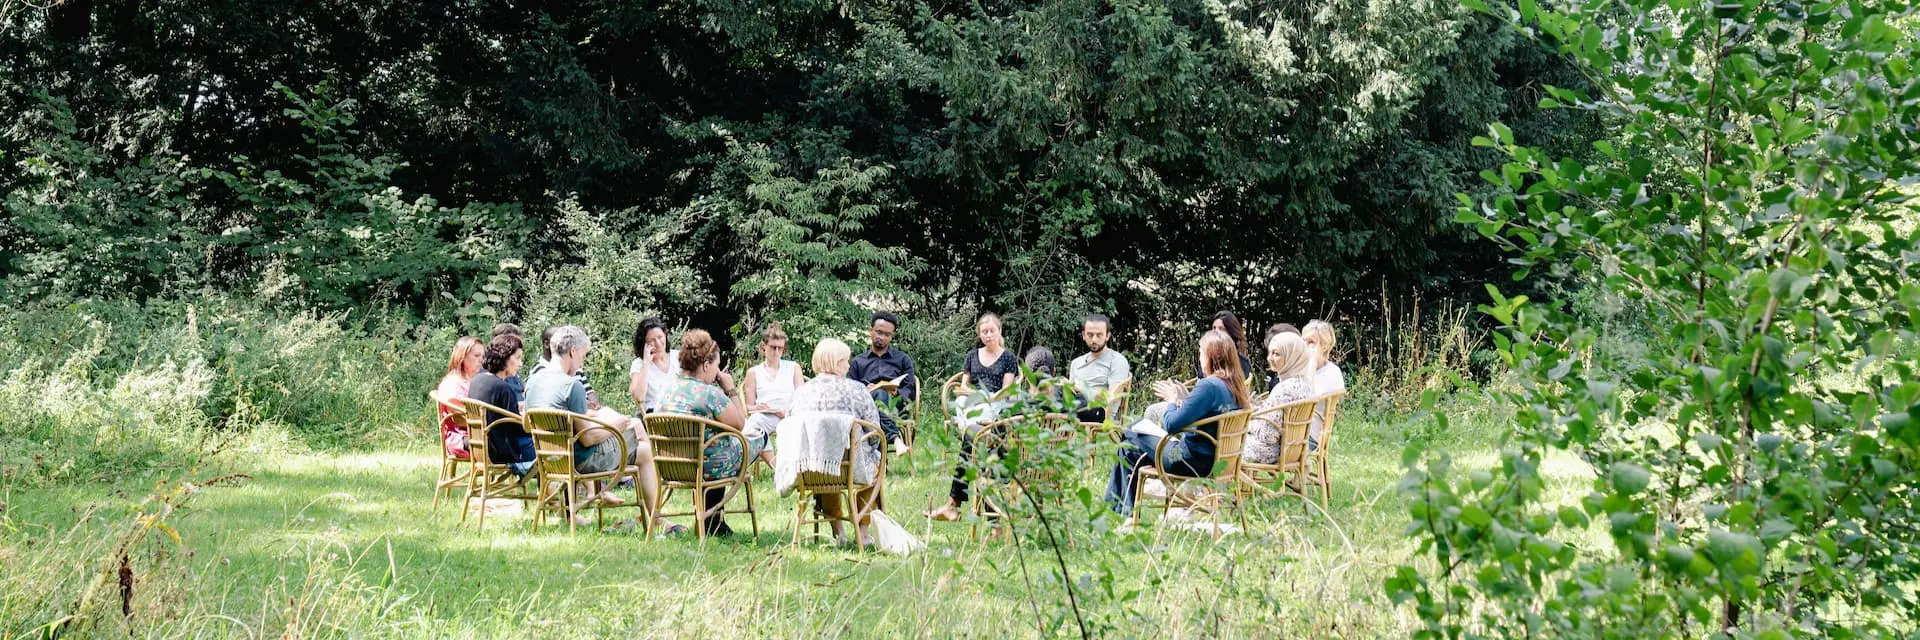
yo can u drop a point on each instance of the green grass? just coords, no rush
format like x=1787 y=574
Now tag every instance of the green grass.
x=315 y=543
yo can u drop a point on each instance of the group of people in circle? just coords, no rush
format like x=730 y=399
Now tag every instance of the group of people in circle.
x=876 y=386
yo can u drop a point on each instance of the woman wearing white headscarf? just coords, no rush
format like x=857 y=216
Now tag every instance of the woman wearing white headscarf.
x=1291 y=360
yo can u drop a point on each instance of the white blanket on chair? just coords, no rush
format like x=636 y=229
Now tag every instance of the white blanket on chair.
x=814 y=442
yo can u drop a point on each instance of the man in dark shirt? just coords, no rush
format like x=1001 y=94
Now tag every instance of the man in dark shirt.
x=889 y=376
x=508 y=443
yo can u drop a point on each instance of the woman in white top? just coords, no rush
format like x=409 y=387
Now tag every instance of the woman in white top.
x=653 y=366
x=1327 y=378
x=770 y=385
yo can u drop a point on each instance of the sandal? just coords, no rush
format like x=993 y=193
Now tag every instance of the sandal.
x=945 y=514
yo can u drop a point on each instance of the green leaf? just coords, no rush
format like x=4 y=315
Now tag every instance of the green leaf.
x=1629 y=478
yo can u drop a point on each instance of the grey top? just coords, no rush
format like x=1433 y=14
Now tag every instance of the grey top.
x=1091 y=374
x=549 y=388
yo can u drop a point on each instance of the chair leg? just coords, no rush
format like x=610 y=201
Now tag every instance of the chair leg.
x=480 y=521
x=439 y=483
x=700 y=513
x=753 y=515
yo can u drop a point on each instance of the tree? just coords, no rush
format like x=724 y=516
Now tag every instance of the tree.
x=1758 y=474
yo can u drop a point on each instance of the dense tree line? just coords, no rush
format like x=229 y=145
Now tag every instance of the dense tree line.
x=1154 y=159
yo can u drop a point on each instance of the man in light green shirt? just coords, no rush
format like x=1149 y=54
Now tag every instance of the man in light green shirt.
x=1098 y=372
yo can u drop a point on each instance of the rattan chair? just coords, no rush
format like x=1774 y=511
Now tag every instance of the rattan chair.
x=1293 y=420
x=489 y=480
x=996 y=438
x=1228 y=445
x=1327 y=409
x=679 y=457
x=452 y=476
x=843 y=485
x=555 y=433
x=1116 y=414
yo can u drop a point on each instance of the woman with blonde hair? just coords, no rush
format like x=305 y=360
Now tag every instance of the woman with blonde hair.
x=988 y=372
x=464 y=363
x=830 y=392
x=1222 y=388
x=1291 y=360
x=1327 y=378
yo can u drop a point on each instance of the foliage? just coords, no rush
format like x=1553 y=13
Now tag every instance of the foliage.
x=803 y=262
x=1051 y=158
x=1756 y=476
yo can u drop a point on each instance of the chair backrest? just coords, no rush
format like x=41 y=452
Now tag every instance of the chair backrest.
x=552 y=432
x=1117 y=401
x=555 y=432
x=860 y=434
x=1293 y=419
x=1326 y=410
x=477 y=416
x=1230 y=442
x=444 y=407
x=680 y=444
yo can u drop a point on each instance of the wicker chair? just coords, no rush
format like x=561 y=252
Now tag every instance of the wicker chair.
x=555 y=433
x=489 y=480
x=1327 y=409
x=1293 y=420
x=1116 y=414
x=679 y=456
x=842 y=485
x=452 y=476
x=995 y=438
x=1232 y=427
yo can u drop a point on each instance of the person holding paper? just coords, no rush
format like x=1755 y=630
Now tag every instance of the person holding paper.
x=888 y=374
x=769 y=387
x=1222 y=388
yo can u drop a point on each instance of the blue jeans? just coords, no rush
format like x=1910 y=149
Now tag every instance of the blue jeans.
x=1136 y=450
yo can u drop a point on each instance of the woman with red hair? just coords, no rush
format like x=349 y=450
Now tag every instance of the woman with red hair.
x=1222 y=388
x=462 y=365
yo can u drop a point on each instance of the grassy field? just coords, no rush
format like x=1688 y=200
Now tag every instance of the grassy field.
x=311 y=543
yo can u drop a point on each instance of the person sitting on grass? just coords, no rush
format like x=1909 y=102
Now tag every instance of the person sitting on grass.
x=462 y=365
x=830 y=392
x=1222 y=388
x=596 y=451
x=888 y=374
x=507 y=444
x=1327 y=378
x=986 y=372
x=1291 y=360
x=769 y=388
x=702 y=389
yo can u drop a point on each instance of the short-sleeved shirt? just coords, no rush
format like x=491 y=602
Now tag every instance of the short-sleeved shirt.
x=549 y=388
x=1092 y=373
x=658 y=378
x=989 y=377
x=692 y=397
x=507 y=442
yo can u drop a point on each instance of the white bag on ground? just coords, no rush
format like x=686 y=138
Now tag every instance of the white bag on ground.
x=890 y=537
